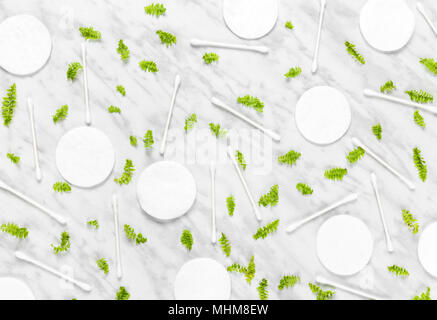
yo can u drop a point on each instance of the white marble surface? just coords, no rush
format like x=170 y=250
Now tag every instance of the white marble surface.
x=150 y=269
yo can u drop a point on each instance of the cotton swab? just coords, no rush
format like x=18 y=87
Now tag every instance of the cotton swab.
x=213 y=225
x=22 y=256
x=18 y=194
x=375 y=94
x=35 y=145
x=322 y=280
x=202 y=43
x=381 y=212
x=243 y=181
x=268 y=132
x=85 y=83
x=358 y=143
x=421 y=9
x=117 y=236
x=294 y=226
x=177 y=84
x=319 y=33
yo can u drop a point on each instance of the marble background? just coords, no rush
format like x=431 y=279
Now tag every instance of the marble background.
x=150 y=269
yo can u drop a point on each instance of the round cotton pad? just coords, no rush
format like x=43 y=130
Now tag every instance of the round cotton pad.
x=387 y=25
x=166 y=190
x=427 y=249
x=323 y=115
x=250 y=19
x=14 y=289
x=26 y=44
x=202 y=279
x=85 y=157
x=344 y=245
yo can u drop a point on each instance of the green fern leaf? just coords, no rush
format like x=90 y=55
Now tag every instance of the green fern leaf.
x=288 y=282
x=377 y=131
x=336 y=174
x=60 y=114
x=425 y=295
x=190 y=122
x=148 y=66
x=8 y=105
x=73 y=69
x=148 y=140
x=14 y=159
x=187 y=239
x=420 y=96
x=271 y=198
x=155 y=9
x=355 y=155
x=410 y=221
x=226 y=246
x=133 y=141
x=289 y=158
x=354 y=53
x=263 y=232
x=418 y=119
x=93 y=223
x=166 y=38
x=90 y=33
x=420 y=164
x=216 y=131
x=210 y=57
x=387 y=87
x=289 y=25
x=114 y=109
x=122 y=294
x=321 y=294
x=64 y=243
x=262 y=289
x=240 y=159
x=15 y=230
x=103 y=265
x=127 y=175
x=251 y=102
x=430 y=64
x=123 y=51
x=304 y=189
x=399 y=271
x=121 y=89
x=62 y=187
x=230 y=203
x=293 y=72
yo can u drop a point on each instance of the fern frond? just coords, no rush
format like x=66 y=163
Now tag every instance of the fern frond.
x=73 y=69
x=122 y=294
x=420 y=96
x=418 y=119
x=64 y=245
x=410 y=221
x=240 y=159
x=289 y=158
x=126 y=177
x=216 y=131
x=14 y=159
x=250 y=271
x=293 y=72
x=304 y=189
x=262 y=289
x=130 y=232
x=251 y=102
x=288 y=282
x=210 y=57
x=8 y=104
x=271 y=198
x=336 y=174
x=190 y=122
x=121 y=90
x=140 y=239
x=15 y=230
x=355 y=155
x=235 y=267
x=425 y=295
x=420 y=164
x=133 y=141
x=60 y=114
x=430 y=64
x=187 y=239
x=230 y=203
x=387 y=87
x=148 y=139
x=155 y=9
x=399 y=271
x=166 y=38
x=103 y=265
x=93 y=223
x=114 y=109
x=123 y=51
x=321 y=294
x=263 y=232
x=90 y=33
x=354 y=53
x=226 y=246
x=62 y=187
x=289 y=25
x=377 y=131
x=148 y=66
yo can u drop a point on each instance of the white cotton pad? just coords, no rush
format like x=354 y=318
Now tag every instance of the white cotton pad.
x=202 y=279
x=427 y=249
x=250 y=19
x=25 y=44
x=344 y=245
x=166 y=190
x=14 y=289
x=85 y=157
x=323 y=115
x=387 y=25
